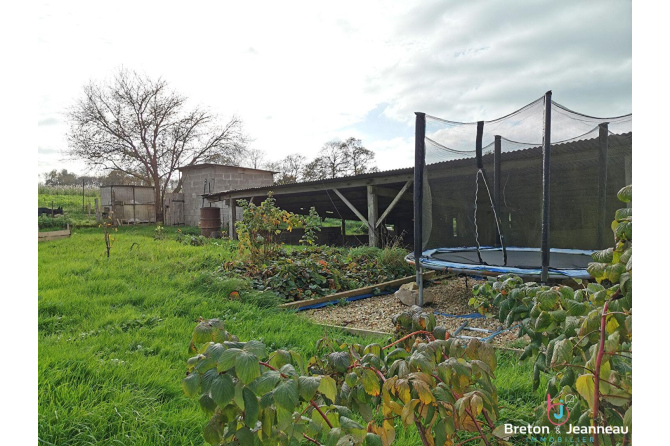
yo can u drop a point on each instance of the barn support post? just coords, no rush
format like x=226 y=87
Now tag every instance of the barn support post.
x=373 y=210
x=232 y=215
x=344 y=232
x=419 y=162
x=603 y=148
x=497 y=154
x=546 y=169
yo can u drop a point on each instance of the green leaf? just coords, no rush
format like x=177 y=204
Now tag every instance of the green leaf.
x=227 y=359
x=628 y=419
x=328 y=387
x=286 y=395
x=307 y=386
x=604 y=256
x=267 y=381
x=257 y=348
x=340 y=361
x=245 y=437
x=203 y=332
x=625 y=194
x=279 y=358
x=207 y=404
x=191 y=385
x=222 y=390
x=213 y=431
x=373 y=440
x=250 y=408
x=586 y=386
x=562 y=354
x=247 y=367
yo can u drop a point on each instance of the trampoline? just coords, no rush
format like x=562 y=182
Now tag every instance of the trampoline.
x=531 y=193
x=524 y=262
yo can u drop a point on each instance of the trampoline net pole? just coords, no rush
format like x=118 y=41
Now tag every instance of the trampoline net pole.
x=419 y=163
x=546 y=169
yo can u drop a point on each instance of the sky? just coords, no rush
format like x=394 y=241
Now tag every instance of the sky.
x=299 y=74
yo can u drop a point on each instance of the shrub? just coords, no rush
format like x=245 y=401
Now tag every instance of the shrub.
x=442 y=387
x=261 y=225
x=582 y=339
x=320 y=270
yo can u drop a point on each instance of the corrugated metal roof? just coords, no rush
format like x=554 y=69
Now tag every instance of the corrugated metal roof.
x=577 y=145
x=203 y=165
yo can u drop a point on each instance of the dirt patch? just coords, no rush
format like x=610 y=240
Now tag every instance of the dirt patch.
x=451 y=296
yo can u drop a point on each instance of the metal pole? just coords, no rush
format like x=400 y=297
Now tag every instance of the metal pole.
x=83 y=195
x=546 y=168
x=497 y=152
x=419 y=161
x=601 y=229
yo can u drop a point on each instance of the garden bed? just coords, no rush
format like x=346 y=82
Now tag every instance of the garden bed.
x=375 y=313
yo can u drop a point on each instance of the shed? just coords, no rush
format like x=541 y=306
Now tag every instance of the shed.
x=128 y=204
x=201 y=179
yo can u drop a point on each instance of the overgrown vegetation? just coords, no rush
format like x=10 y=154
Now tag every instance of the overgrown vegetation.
x=581 y=339
x=311 y=272
x=320 y=270
x=443 y=388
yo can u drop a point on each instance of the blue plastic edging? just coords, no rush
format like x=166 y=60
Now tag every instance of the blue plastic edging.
x=349 y=299
x=461 y=316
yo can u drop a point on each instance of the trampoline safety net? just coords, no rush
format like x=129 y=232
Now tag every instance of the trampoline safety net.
x=493 y=195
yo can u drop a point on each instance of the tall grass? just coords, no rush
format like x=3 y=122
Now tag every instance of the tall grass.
x=114 y=335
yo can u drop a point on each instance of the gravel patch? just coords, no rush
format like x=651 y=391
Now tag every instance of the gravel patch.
x=451 y=296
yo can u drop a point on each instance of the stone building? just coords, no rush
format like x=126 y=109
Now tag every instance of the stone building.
x=208 y=178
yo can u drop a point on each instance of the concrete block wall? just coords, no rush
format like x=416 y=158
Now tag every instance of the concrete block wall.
x=220 y=178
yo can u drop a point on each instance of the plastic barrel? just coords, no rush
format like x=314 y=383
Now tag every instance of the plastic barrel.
x=210 y=222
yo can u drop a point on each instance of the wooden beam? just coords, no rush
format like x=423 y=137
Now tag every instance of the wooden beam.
x=373 y=212
x=391 y=193
x=356 y=292
x=352 y=207
x=232 y=215
x=339 y=183
x=393 y=203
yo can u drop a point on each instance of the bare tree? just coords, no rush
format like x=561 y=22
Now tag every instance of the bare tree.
x=254 y=158
x=289 y=169
x=334 y=159
x=359 y=157
x=138 y=126
x=338 y=159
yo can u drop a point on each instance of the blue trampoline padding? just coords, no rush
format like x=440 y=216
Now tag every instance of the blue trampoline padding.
x=349 y=299
x=521 y=261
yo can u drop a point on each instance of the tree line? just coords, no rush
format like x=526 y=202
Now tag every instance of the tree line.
x=139 y=131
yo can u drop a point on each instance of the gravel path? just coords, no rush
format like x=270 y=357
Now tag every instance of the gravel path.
x=450 y=296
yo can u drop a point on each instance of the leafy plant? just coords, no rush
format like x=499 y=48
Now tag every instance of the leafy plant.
x=442 y=387
x=159 y=233
x=261 y=225
x=312 y=225
x=582 y=339
x=320 y=270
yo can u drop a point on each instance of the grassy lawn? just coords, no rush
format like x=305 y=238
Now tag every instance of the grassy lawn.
x=114 y=335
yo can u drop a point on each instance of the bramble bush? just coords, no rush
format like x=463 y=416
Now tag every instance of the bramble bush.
x=317 y=271
x=255 y=397
x=581 y=339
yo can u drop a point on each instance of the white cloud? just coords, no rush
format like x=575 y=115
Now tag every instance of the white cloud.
x=300 y=74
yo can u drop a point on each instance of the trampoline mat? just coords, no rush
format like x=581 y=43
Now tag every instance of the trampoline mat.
x=517 y=258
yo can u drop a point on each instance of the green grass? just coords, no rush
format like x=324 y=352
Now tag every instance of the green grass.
x=71 y=201
x=114 y=333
